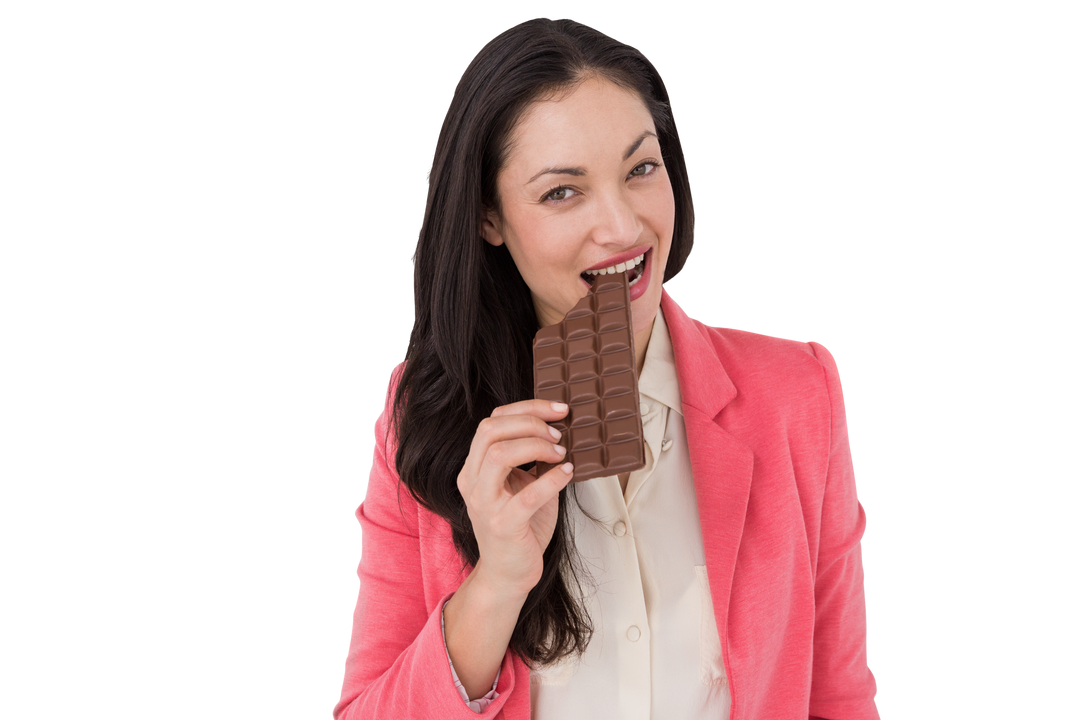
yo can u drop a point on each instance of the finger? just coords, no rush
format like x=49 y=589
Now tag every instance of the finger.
x=520 y=419
x=504 y=456
x=544 y=409
x=536 y=494
x=500 y=429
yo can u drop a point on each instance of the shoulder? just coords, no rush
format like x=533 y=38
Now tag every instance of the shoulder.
x=389 y=390
x=775 y=379
x=386 y=495
x=754 y=358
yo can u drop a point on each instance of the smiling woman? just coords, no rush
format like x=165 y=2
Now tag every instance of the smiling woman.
x=721 y=580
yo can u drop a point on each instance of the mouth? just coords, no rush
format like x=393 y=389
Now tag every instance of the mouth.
x=633 y=274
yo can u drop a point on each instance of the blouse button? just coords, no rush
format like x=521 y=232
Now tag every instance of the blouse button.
x=644 y=408
x=633 y=633
x=620 y=528
x=665 y=446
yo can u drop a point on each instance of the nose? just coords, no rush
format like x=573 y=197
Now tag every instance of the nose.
x=616 y=221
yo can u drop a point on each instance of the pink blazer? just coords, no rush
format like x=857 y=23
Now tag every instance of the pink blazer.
x=781 y=525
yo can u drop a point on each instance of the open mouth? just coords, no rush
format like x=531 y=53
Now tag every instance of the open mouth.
x=632 y=275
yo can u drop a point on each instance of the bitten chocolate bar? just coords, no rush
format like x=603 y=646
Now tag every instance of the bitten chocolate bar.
x=587 y=361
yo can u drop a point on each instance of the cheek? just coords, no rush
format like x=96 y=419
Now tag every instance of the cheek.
x=662 y=218
x=549 y=242
x=524 y=242
x=661 y=213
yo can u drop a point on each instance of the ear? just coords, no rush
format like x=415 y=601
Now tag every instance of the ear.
x=490 y=228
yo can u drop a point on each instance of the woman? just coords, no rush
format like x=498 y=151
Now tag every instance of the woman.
x=723 y=579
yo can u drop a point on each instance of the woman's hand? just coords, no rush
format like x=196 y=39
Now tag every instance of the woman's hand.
x=513 y=513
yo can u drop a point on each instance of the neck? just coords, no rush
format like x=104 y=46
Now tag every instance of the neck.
x=641 y=345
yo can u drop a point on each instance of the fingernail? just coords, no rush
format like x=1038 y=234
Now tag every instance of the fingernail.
x=554 y=433
x=558 y=407
x=567 y=468
x=560 y=449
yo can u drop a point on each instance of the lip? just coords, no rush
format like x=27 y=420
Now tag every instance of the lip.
x=642 y=284
x=621 y=257
x=639 y=288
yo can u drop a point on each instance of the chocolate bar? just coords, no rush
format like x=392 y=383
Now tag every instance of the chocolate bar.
x=587 y=361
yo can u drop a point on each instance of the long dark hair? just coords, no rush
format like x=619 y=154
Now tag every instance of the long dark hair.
x=471 y=344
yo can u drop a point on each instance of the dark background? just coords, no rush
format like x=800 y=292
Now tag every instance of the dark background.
x=800 y=138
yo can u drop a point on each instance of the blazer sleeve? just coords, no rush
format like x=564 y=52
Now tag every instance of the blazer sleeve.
x=397 y=665
x=843 y=687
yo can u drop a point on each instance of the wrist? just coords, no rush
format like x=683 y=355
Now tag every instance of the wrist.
x=493 y=592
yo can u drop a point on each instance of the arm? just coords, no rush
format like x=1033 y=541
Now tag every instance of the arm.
x=843 y=687
x=397 y=665
x=477 y=625
x=481 y=703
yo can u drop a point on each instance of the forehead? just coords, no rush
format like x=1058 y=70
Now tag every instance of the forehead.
x=595 y=120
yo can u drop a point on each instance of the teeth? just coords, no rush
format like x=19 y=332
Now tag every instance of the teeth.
x=621 y=267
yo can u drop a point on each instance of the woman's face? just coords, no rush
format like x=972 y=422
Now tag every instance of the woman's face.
x=583 y=188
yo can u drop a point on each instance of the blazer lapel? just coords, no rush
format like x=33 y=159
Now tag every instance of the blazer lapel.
x=723 y=466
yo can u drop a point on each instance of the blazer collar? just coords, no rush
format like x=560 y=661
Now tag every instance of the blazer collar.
x=723 y=468
x=703 y=382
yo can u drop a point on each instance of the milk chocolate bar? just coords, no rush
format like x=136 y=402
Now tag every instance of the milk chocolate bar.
x=587 y=361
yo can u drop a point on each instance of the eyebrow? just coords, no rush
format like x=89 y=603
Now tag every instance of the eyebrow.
x=580 y=171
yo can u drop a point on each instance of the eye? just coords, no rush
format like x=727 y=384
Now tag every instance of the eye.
x=555 y=191
x=643 y=165
x=550 y=200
